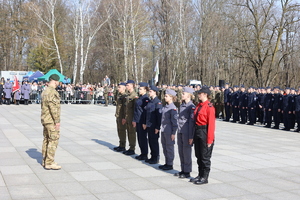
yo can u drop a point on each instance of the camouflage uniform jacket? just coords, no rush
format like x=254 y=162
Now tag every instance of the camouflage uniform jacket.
x=105 y=91
x=50 y=106
x=129 y=105
x=120 y=105
x=218 y=97
x=213 y=96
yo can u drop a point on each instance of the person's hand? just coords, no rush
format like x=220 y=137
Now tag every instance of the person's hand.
x=156 y=131
x=190 y=141
x=172 y=137
x=57 y=126
x=208 y=145
x=134 y=124
x=123 y=121
x=144 y=126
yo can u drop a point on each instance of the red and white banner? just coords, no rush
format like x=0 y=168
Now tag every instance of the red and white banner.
x=16 y=85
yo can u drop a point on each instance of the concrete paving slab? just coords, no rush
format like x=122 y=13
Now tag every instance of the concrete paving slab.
x=248 y=162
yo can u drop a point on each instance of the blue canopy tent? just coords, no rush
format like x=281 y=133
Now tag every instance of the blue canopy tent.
x=27 y=75
x=35 y=76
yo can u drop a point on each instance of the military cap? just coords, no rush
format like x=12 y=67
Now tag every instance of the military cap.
x=242 y=86
x=143 y=84
x=204 y=90
x=188 y=90
x=8 y=79
x=292 y=88
x=124 y=84
x=171 y=92
x=130 y=81
x=154 y=88
x=180 y=85
x=287 y=88
x=235 y=86
x=226 y=83
x=251 y=87
x=268 y=88
x=54 y=77
x=276 y=87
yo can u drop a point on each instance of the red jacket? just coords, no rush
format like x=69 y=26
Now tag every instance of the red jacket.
x=206 y=116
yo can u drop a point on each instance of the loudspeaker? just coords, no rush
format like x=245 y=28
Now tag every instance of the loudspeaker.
x=221 y=83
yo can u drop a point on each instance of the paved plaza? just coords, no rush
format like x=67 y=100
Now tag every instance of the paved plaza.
x=248 y=162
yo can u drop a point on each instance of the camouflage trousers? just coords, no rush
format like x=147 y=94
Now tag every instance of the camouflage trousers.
x=50 y=142
x=131 y=134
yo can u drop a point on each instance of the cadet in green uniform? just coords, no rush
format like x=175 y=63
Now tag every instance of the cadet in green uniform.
x=50 y=118
x=129 y=111
x=120 y=114
x=162 y=94
x=105 y=94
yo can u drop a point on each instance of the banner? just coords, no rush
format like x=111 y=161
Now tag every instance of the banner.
x=156 y=70
x=16 y=85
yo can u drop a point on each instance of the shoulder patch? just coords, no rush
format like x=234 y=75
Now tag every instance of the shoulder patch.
x=175 y=109
x=210 y=104
x=146 y=100
x=193 y=108
x=159 y=102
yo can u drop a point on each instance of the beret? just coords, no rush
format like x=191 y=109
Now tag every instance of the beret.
x=54 y=77
x=188 y=90
x=130 y=81
x=171 y=92
x=154 y=88
x=143 y=84
x=122 y=84
x=204 y=90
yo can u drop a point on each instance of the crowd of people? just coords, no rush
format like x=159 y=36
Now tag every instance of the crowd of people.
x=30 y=92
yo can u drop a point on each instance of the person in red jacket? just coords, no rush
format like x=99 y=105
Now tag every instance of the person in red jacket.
x=204 y=136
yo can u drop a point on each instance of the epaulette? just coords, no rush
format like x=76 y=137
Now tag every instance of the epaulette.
x=210 y=105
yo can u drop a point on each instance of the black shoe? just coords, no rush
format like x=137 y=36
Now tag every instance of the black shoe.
x=121 y=149
x=162 y=166
x=116 y=148
x=297 y=130
x=250 y=124
x=195 y=179
x=141 y=157
x=201 y=181
x=153 y=161
x=185 y=175
x=233 y=121
x=275 y=127
x=167 y=167
x=241 y=122
x=266 y=126
x=179 y=173
x=129 y=152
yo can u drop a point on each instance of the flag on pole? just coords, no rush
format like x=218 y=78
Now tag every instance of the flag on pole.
x=156 y=70
x=16 y=85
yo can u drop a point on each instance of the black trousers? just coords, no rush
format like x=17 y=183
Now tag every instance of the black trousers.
x=276 y=117
x=236 y=116
x=142 y=138
x=268 y=117
x=298 y=119
x=202 y=151
x=153 y=142
x=227 y=112
x=252 y=115
x=243 y=115
x=287 y=120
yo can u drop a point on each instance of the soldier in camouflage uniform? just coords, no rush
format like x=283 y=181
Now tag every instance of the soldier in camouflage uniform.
x=179 y=96
x=127 y=121
x=120 y=114
x=105 y=94
x=161 y=95
x=50 y=118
